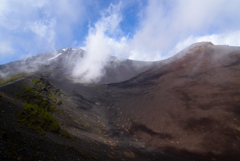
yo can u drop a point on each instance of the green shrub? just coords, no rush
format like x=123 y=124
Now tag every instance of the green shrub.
x=8 y=80
x=94 y=158
x=65 y=133
x=38 y=119
x=36 y=81
x=39 y=148
x=83 y=155
x=59 y=102
x=39 y=104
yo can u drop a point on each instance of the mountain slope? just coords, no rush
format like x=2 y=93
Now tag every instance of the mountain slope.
x=187 y=105
x=65 y=60
x=184 y=108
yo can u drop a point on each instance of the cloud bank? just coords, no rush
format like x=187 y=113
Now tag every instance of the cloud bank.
x=167 y=25
x=99 y=47
x=165 y=28
x=30 y=27
x=156 y=31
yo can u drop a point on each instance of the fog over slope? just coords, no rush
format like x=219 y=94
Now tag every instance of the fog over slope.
x=73 y=63
x=188 y=104
x=183 y=108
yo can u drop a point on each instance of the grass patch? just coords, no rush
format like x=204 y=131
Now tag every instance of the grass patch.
x=8 y=80
x=31 y=96
x=94 y=158
x=82 y=154
x=65 y=133
x=40 y=148
x=38 y=119
x=35 y=81
x=38 y=107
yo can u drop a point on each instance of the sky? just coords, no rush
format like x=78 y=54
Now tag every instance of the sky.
x=146 y=30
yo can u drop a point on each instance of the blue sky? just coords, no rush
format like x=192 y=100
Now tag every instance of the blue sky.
x=135 y=29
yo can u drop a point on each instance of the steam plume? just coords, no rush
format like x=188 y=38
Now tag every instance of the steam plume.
x=99 y=46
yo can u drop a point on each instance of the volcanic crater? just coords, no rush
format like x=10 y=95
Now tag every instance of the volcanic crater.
x=186 y=107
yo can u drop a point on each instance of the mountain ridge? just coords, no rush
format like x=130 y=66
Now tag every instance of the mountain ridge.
x=65 y=60
x=184 y=108
x=183 y=101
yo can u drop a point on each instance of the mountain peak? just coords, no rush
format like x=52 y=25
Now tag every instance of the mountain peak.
x=186 y=107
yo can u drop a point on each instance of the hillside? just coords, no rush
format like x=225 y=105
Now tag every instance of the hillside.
x=182 y=108
x=63 y=61
x=189 y=105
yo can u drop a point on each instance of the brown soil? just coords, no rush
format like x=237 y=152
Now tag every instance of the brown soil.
x=187 y=108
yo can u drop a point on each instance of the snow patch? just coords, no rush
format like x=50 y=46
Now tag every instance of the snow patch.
x=83 y=48
x=55 y=56
x=64 y=49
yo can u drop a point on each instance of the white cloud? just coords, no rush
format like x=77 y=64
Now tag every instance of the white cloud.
x=6 y=48
x=35 y=26
x=227 y=38
x=39 y=28
x=166 y=27
x=165 y=23
x=45 y=32
x=99 y=46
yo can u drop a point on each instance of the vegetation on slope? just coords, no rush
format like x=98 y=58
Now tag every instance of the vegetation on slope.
x=37 y=113
x=39 y=105
x=8 y=80
x=38 y=118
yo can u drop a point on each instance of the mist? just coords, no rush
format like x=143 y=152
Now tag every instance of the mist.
x=99 y=47
x=29 y=27
x=162 y=29
x=27 y=65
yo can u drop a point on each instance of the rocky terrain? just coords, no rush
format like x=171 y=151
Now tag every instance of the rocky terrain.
x=182 y=108
x=63 y=61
